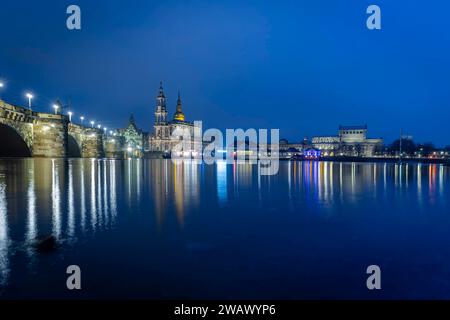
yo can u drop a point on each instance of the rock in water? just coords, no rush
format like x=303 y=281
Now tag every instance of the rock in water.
x=46 y=244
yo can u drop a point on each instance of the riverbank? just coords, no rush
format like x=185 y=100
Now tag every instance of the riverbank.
x=378 y=159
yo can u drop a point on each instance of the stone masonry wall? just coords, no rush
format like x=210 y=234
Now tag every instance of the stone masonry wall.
x=49 y=137
x=92 y=144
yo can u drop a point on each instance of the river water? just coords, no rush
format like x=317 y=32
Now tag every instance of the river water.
x=158 y=230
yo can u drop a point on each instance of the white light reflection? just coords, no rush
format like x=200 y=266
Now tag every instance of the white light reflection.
x=99 y=195
x=221 y=167
x=56 y=204
x=71 y=209
x=113 y=196
x=93 y=203
x=31 y=232
x=4 y=238
x=105 y=196
x=82 y=200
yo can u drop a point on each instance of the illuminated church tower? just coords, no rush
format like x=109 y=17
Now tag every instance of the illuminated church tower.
x=161 y=128
x=163 y=139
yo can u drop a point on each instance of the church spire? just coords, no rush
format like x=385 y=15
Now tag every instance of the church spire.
x=179 y=102
x=131 y=121
x=179 y=115
x=161 y=91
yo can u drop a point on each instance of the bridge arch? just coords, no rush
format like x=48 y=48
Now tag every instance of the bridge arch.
x=13 y=144
x=73 y=147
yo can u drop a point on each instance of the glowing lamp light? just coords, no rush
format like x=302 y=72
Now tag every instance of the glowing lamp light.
x=29 y=96
x=92 y=123
x=56 y=107
x=70 y=113
x=129 y=149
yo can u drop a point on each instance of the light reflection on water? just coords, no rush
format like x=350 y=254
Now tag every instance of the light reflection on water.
x=4 y=240
x=79 y=200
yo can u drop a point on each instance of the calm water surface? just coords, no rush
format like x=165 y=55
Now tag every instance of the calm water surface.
x=153 y=229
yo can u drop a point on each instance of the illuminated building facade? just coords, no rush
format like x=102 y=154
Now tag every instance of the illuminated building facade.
x=350 y=141
x=134 y=141
x=163 y=139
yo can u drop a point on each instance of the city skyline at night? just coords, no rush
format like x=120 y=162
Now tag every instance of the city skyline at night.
x=302 y=68
x=223 y=159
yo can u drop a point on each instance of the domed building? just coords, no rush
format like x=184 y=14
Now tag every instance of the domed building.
x=179 y=115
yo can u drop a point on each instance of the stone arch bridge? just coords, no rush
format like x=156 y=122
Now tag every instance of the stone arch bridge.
x=28 y=133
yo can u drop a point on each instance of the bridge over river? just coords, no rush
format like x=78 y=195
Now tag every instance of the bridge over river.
x=24 y=132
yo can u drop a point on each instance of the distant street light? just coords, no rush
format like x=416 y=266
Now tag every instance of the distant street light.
x=82 y=119
x=1 y=85
x=56 y=107
x=70 y=113
x=92 y=124
x=99 y=126
x=29 y=96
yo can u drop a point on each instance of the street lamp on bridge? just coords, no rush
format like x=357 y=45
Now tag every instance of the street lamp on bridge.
x=92 y=124
x=82 y=119
x=70 y=113
x=56 y=107
x=29 y=96
x=1 y=85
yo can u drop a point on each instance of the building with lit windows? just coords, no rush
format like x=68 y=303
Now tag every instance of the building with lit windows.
x=168 y=133
x=134 y=139
x=350 y=141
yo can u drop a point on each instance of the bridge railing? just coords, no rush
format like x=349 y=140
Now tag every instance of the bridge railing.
x=29 y=113
x=11 y=107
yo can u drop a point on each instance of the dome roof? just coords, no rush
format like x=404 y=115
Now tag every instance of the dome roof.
x=179 y=115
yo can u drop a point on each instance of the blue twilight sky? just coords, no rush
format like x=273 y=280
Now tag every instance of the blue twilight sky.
x=302 y=66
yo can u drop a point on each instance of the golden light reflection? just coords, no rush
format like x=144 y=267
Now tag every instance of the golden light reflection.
x=178 y=181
